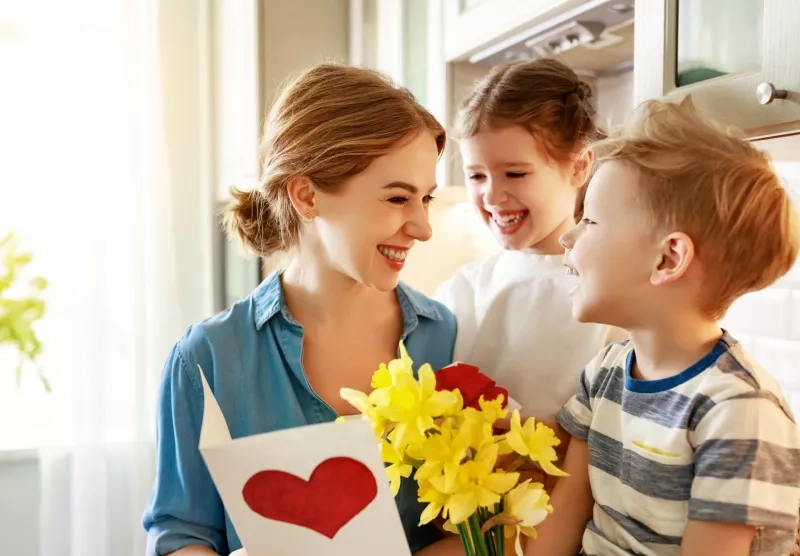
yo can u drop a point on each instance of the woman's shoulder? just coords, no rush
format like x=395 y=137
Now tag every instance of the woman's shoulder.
x=212 y=343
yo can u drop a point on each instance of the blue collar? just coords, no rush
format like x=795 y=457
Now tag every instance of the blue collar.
x=268 y=301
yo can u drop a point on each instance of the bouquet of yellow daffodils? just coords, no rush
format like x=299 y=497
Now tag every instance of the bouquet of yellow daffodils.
x=452 y=452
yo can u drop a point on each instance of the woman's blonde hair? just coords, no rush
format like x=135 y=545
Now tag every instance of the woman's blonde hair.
x=327 y=125
x=543 y=96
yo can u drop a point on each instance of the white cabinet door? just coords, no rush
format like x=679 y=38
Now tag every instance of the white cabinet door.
x=738 y=59
x=473 y=25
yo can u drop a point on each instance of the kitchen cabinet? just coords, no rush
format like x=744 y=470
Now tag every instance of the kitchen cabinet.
x=736 y=58
x=472 y=26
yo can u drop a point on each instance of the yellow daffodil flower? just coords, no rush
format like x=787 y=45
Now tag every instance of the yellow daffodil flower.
x=436 y=501
x=360 y=401
x=493 y=410
x=476 y=485
x=413 y=407
x=398 y=468
x=529 y=505
x=536 y=441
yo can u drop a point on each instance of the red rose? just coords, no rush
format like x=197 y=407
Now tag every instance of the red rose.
x=471 y=383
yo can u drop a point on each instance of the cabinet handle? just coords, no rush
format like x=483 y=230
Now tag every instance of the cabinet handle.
x=766 y=93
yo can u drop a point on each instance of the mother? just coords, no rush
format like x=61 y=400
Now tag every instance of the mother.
x=349 y=169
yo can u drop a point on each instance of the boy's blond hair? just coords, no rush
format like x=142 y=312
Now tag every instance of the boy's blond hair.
x=715 y=186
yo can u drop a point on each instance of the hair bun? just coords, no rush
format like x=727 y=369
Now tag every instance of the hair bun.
x=583 y=90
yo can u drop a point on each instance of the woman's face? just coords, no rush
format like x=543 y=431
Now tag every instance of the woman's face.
x=367 y=227
x=525 y=198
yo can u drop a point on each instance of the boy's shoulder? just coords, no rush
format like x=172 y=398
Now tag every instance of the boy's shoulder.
x=612 y=359
x=736 y=376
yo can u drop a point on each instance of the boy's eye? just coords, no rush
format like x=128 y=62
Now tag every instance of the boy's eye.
x=516 y=175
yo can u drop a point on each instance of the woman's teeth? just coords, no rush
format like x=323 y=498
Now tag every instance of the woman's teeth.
x=505 y=220
x=572 y=271
x=393 y=254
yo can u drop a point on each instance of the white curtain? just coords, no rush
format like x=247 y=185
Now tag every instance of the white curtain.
x=105 y=176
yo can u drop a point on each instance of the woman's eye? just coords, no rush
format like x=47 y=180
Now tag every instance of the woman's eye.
x=516 y=175
x=427 y=199
x=587 y=221
x=398 y=200
x=475 y=177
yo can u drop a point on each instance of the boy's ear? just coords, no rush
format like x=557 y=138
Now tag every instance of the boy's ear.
x=581 y=168
x=674 y=258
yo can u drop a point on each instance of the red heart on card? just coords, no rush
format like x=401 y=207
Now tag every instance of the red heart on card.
x=337 y=491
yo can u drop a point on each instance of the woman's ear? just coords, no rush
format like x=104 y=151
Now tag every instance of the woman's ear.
x=581 y=169
x=301 y=194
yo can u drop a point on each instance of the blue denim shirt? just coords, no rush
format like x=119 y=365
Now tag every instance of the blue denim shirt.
x=251 y=356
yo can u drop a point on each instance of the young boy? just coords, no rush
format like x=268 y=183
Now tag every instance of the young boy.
x=681 y=443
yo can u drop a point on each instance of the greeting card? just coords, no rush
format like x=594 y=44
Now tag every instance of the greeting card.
x=318 y=489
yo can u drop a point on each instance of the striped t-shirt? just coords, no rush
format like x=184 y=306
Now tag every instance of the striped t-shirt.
x=716 y=442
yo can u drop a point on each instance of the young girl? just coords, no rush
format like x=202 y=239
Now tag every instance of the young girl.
x=521 y=133
x=349 y=168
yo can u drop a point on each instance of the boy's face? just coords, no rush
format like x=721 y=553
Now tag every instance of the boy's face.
x=613 y=250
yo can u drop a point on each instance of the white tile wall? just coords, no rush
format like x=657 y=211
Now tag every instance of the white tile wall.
x=768 y=322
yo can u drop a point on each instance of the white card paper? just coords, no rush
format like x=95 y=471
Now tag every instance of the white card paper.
x=260 y=459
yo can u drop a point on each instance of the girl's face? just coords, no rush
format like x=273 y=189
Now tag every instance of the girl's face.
x=367 y=227
x=526 y=199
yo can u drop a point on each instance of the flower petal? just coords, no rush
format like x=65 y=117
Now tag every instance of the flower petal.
x=462 y=505
x=430 y=513
x=501 y=482
x=357 y=399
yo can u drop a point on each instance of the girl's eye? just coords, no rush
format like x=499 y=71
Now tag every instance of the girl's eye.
x=516 y=175
x=475 y=177
x=398 y=200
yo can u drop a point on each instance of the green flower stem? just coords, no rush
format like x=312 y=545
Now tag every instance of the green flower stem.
x=465 y=539
x=499 y=531
x=483 y=517
x=481 y=549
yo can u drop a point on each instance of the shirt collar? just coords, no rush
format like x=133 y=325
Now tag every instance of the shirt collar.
x=268 y=301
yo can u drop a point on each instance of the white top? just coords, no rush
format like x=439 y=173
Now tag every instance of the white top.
x=515 y=323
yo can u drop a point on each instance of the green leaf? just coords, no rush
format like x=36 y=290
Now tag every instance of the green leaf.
x=38 y=283
x=19 y=314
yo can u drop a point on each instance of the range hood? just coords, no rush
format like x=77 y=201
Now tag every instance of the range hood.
x=595 y=37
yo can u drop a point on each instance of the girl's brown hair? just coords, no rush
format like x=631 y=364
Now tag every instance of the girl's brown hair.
x=327 y=125
x=544 y=96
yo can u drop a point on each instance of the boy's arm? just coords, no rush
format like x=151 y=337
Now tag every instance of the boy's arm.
x=709 y=538
x=562 y=532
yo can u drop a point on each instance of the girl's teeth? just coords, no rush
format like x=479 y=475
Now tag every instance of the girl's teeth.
x=394 y=254
x=507 y=220
x=572 y=271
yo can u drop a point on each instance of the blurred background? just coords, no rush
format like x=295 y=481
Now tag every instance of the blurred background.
x=123 y=123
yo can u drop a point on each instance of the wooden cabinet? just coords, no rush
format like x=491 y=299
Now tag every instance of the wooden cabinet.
x=736 y=58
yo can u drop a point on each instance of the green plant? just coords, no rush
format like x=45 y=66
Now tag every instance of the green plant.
x=21 y=306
